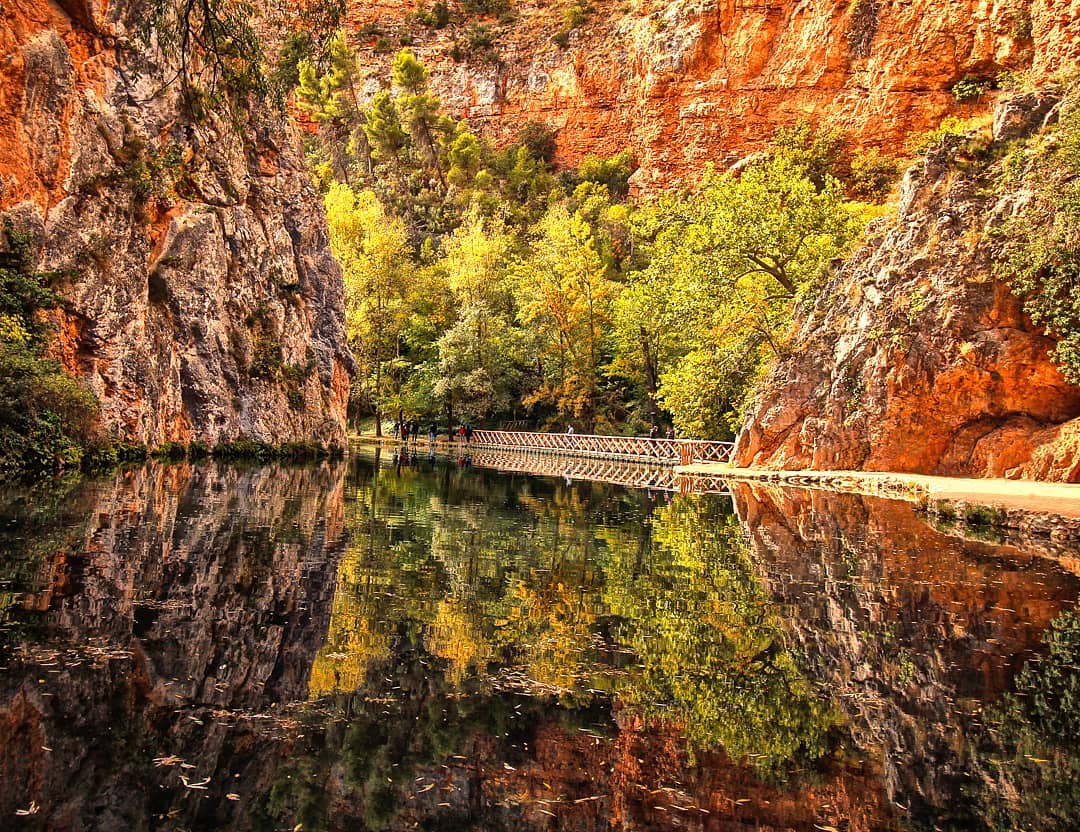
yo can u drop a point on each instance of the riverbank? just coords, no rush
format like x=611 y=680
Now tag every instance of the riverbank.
x=1022 y=495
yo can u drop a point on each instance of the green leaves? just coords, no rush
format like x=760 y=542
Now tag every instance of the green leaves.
x=1042 y=263
x=727 y=264
x=372 y=250
x=47 y=418
x=211 y=46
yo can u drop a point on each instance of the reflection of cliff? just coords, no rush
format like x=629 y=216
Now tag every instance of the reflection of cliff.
x=907 y=627
x=198 y=591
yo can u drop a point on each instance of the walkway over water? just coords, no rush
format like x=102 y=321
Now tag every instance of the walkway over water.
x=613 y=471
x=626 y=448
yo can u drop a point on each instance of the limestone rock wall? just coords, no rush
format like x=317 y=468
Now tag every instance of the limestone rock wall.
x=914 y=357
x=203 y=302
x=692 y=82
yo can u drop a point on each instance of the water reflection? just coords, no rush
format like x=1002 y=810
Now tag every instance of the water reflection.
x=408 y=642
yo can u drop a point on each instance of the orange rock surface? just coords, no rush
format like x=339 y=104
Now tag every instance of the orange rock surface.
x=916 y=357
x=687 y=83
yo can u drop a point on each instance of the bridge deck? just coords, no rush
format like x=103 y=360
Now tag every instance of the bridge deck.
x=640 y=449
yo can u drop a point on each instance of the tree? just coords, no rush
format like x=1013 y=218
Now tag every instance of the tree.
x=564 y=292
x=372 y=248
x=420 y=109
x=332 y=100
x=478 y=355
x=210 y=47
x=733 y=259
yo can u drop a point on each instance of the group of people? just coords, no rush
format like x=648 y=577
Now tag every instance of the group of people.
x=407 y=430
x=654 y=432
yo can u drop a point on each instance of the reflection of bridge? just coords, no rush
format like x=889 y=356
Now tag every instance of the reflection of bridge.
x=617 y=472
x=626 y=448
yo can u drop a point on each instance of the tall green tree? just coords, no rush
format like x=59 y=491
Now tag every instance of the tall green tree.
x=479 y=355
x=564 y=292
x=372 y=248
x=734 y=257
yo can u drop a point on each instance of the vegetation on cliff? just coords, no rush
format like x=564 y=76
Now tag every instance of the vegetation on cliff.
x=485 y=285
x=47 y=418
x=1043 y=262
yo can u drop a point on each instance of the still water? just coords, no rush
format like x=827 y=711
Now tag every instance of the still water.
x=369 y=645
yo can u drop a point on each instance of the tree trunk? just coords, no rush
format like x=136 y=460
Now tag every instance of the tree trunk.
x=651 y=384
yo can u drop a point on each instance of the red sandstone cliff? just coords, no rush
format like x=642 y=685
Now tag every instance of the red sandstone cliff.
x=687 y=83
x=915 y=357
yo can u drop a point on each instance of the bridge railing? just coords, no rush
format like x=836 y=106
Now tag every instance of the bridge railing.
x=635 y=448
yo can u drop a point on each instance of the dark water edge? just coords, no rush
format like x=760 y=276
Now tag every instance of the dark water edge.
x=370 y=645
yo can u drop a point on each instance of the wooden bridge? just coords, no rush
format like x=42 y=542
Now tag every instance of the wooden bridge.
x=614 y=471
x=640 y=449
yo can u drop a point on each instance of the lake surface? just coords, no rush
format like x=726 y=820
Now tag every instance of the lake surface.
x=442 y=646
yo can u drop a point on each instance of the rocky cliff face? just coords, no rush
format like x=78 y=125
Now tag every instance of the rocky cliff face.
x=691 y=82
x=914 y=358
x=202 y=299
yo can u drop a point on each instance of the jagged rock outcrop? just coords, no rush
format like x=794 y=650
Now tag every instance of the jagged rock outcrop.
x=915 y=357
x=202 y=300
x=691 y=82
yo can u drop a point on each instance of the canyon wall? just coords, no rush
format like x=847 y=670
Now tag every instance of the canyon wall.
x=201 y=298
x=692 y=82
x=914 y=357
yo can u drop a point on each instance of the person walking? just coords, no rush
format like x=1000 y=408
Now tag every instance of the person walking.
x=670 y=433
x=432 y=434
x=468 y=434
x=415 y=430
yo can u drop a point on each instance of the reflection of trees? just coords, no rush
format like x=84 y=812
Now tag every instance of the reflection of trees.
x=1027 y=760
x=709 y=645
x=40 y=525
x=562 y=582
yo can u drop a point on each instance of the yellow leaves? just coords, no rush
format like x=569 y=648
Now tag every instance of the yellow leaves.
x=12 y=331
x=454 y=637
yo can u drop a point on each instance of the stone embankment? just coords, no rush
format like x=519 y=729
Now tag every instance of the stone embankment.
x=1046 y=511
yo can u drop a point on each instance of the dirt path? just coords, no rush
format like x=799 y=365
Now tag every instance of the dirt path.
x=1049 y=497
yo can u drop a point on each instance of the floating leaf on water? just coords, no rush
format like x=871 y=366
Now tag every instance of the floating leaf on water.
x=32 y=809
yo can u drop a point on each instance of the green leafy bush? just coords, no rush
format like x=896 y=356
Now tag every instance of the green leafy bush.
x=171 y=452
x=485 y=7
x=1022 y=25
x=872 y=175
x=970 y=88
x=1042 y=264
x=47 y=418
x=437 y=17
